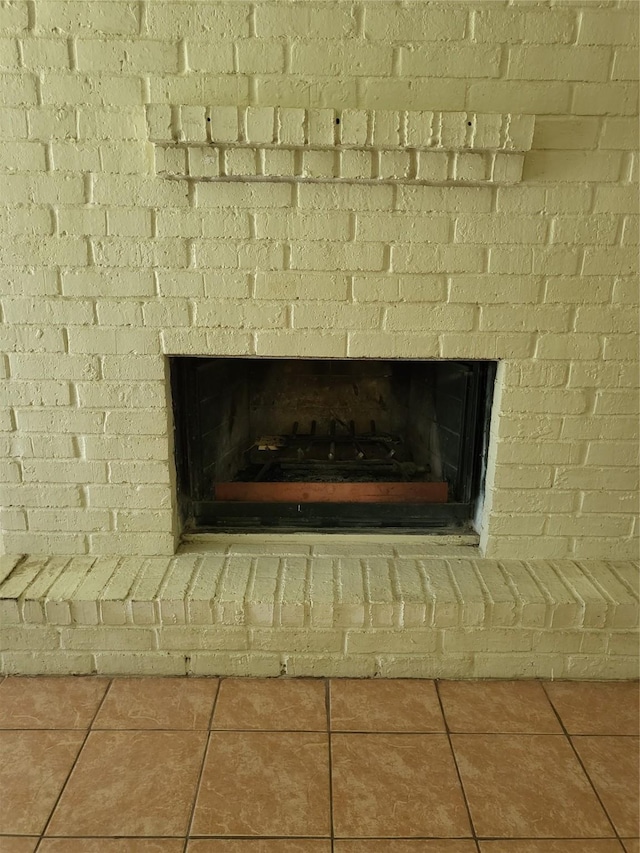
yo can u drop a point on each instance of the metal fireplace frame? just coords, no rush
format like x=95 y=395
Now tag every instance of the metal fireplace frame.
x=200 y=514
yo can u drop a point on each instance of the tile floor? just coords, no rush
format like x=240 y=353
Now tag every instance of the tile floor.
x=92 y=765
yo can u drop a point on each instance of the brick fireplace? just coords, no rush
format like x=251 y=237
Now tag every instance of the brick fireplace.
x=344 y=183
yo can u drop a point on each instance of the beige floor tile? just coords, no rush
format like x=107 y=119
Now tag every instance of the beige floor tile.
x=394 y=705
x=112 y=845
x=33 y=768
x=17 y=844
x=131 y=784
x=387 y=785
x=498 y=706
x=259 y=845
x=612 y=765
x=631 y=845
x=264 y=784
x=50 y=703
x=158 y=703
x=581 y=845
x=597 y=708
x=389 y=845
x=271 y=704
x=527 y=786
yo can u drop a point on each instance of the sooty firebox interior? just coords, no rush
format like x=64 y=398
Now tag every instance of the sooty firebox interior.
x=331 y=445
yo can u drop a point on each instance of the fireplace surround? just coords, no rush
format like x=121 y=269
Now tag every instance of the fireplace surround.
x=355 y=182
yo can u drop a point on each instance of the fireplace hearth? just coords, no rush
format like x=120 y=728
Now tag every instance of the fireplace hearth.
x=330 y=445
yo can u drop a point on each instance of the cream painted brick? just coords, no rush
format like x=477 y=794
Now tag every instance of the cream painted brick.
x=234 y=664
x=29 y=638
x=494 y=289
x=278 y=163
x=18 y=89
x=530 y=97
x=598 y=319
x=291 y=126
x=600 y=27
x=558 y=62
x=383 y=93
x=408 y=258
x=625 y=291
x=401 y=227
x=344 y=196
x=321 y=127
x=434 y=23
x=96 y=122
x=605 y=98
x=354 y=127
x=259 y=124
x=318 y=164
x=575 y=166
x=127 y=56
x=159 y=121
x=439 y=60
x=294 y=286
x=171 y=19
x=198 y=89
x=605 y=478
x=204 y=161
x=119 y=190
x=257 y=56
x=599 y=229
x=499 y=229
x=470 y=167
x=14 y=16
x=107 y=638
x=392 y=642
x=337 y=256
x=139 y=663
x=351 y=59
x=555 y=26
x=319 y=316
x=444 y=199
x=204 y=56
x=130 y=422
x=566 y=132
x=99 y=90
x=625 y=64
x=608 y=261
x=14 y=123
x=429 y=317
x=540 y=318
x=47 y=663
x=243 y=195
x=619 y=133
x=623 y=453
x=278 y=343
x=616 y=199
x=302 y=226
x=564 y=347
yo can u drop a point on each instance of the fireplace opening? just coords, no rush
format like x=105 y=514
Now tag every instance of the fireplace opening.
x=331 y=445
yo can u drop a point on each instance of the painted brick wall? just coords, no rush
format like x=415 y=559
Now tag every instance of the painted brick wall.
x=106 y=267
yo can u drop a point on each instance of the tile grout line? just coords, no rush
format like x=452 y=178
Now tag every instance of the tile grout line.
x=204 y=759
x=584 y=769
x=455 y=762
x=327 y=700
x=73 y=766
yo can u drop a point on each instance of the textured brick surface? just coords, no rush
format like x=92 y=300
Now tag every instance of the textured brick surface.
x=412 y=610
x=106 y=267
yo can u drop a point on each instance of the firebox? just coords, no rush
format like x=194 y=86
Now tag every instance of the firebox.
x=330 y=444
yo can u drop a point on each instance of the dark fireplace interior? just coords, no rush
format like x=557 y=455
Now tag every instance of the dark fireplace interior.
x=331 y=445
